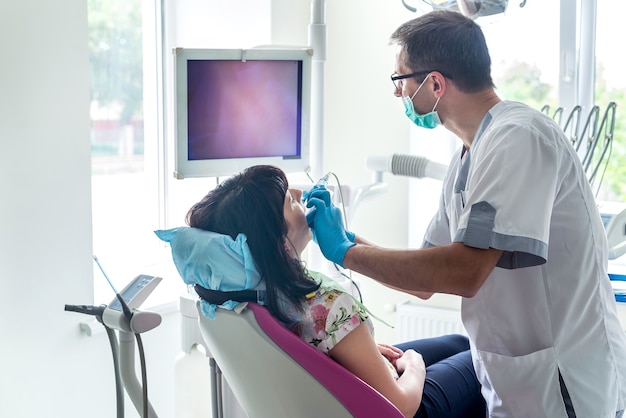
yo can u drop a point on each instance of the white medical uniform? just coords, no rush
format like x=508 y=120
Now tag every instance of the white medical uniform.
x=544 y=328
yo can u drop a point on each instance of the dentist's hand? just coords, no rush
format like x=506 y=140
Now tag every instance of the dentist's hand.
x=307 y=193
x=320 y=191
x=327 y=224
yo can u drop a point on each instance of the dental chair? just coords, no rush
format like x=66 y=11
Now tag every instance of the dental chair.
x=270 y=370
x=274 y=374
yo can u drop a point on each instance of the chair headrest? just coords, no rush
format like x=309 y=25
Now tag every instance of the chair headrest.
x=213 y=261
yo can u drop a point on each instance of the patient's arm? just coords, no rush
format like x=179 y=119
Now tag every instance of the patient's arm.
x=358 y=353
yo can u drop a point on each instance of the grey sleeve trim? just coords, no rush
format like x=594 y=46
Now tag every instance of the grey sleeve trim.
x=427 y=244
x=535 y=253
x=480 y=225
x=519 y=251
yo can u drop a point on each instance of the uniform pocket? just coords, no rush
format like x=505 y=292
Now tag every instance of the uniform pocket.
x=523 y=386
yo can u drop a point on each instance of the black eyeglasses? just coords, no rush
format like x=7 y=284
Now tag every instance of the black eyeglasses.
x=397 y=79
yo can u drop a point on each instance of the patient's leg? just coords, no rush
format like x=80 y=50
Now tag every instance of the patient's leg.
x=437 y=348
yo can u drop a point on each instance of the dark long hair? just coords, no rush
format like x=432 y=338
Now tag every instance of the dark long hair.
x=251 y=203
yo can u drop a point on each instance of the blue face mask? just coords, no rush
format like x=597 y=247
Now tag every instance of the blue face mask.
x=429 y=120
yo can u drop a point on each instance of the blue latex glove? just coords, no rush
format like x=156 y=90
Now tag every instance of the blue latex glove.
x=327 y=224
x=307 y=193
x=351 y=235
x=320 y=192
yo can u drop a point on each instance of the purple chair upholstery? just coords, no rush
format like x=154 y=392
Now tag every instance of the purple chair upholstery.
x=273 y=373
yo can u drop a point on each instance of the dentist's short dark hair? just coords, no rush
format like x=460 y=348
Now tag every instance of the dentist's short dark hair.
x=448 y=42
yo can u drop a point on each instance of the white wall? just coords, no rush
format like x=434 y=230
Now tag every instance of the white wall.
x=45 y=244
x=48 y=368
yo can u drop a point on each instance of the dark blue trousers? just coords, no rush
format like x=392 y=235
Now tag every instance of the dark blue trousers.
x=451 y=389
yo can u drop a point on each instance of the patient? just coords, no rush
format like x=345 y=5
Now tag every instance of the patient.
x=431 y=377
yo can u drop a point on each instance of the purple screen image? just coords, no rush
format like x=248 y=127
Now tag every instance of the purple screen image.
x=243 y=109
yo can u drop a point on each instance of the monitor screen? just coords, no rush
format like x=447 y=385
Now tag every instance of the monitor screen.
x=237 y=108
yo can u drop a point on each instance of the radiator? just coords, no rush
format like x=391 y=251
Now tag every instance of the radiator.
x=418 y=321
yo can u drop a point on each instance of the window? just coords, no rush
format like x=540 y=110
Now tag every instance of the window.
x=610 y=86
x=525 y=60
x=125 y=147
x=538 y=57
x=133 y=189
x=525 y=67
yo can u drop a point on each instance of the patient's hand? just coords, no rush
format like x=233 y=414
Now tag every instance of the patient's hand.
x=390 y=352
x=411 y=360
x=390 y=355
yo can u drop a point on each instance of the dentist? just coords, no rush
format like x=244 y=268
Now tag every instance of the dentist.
x=517 y=235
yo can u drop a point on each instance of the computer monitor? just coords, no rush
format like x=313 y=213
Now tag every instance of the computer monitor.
x=236 y=108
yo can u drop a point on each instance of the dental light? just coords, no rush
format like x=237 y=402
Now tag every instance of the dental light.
x=470 y=8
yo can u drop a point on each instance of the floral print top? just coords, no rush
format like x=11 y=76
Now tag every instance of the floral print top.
x=329 y=315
